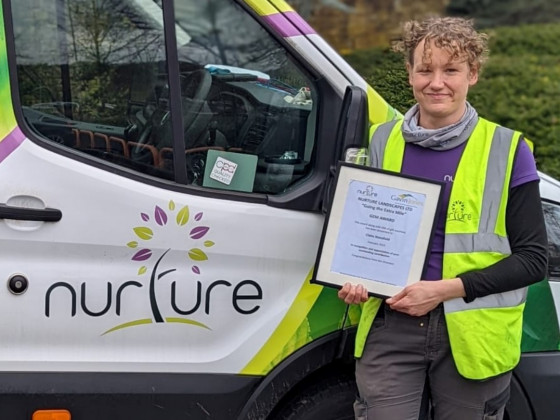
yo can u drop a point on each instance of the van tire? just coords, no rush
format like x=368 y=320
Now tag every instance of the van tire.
x=329 y=399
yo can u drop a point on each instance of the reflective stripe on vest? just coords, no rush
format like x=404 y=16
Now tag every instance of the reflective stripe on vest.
x=485 y=334
x=379 y=136
x=498 y=300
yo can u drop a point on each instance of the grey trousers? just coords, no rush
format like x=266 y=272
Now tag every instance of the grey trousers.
x=405 y=356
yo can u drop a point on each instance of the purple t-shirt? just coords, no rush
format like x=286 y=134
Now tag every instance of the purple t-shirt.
x=441 y=166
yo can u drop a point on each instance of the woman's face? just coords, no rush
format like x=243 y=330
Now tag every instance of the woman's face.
x=440 y=86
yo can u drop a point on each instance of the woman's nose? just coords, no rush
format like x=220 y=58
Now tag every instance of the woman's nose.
x=437 y=79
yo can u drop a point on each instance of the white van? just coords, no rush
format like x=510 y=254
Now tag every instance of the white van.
x=161 y=210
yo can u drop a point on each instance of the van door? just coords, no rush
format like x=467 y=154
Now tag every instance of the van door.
x=160 y=135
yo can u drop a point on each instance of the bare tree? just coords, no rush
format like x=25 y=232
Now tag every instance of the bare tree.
x=307 y=7
x=108 y=31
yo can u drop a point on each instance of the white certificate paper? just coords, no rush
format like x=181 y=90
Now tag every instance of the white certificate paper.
x=374 y=236
x=378 y=230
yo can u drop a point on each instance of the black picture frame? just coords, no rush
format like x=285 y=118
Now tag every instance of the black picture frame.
x=387 y=221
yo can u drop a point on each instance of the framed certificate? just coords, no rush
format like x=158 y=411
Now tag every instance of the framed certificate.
x=378 y=230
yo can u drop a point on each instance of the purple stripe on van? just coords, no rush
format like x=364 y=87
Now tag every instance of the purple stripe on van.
x=299 y=23
x=289 y=24
x=11 y=143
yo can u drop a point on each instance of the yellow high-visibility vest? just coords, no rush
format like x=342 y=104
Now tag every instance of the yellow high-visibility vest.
x=485 y=335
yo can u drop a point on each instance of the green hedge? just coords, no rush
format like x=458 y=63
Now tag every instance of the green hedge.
x=519 y=87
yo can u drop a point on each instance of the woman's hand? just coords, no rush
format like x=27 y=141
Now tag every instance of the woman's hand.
x=420 y=298
x=353 y=293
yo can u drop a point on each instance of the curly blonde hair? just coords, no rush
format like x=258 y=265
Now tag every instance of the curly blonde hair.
x=455 y=35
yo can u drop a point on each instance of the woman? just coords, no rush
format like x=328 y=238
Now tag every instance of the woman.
x=458 y=331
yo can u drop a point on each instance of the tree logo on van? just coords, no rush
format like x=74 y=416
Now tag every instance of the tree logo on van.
x=196 y=256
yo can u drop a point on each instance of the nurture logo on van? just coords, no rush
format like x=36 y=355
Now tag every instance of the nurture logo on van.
x=206 y=297
x=144 y=255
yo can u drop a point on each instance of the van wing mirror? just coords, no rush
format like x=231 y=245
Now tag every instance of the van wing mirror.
x=353 y=122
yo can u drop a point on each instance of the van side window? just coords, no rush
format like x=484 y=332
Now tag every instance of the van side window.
x=552 y=218
x=90 y=74
x=93 y=78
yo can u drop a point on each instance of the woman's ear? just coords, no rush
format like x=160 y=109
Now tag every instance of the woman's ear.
x=473 y=76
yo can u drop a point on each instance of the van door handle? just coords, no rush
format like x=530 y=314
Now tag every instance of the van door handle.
x=23 y=213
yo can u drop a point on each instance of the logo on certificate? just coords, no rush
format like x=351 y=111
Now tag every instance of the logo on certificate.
x=408 y=199
x=367 y=191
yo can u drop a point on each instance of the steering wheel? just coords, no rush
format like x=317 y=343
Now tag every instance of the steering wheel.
x=157 y=130
x=196 y=163
x=194 y=91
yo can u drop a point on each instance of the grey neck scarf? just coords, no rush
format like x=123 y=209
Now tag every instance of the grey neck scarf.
x=444 y=138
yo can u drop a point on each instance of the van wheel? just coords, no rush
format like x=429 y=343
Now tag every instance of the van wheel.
x=330 y=399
